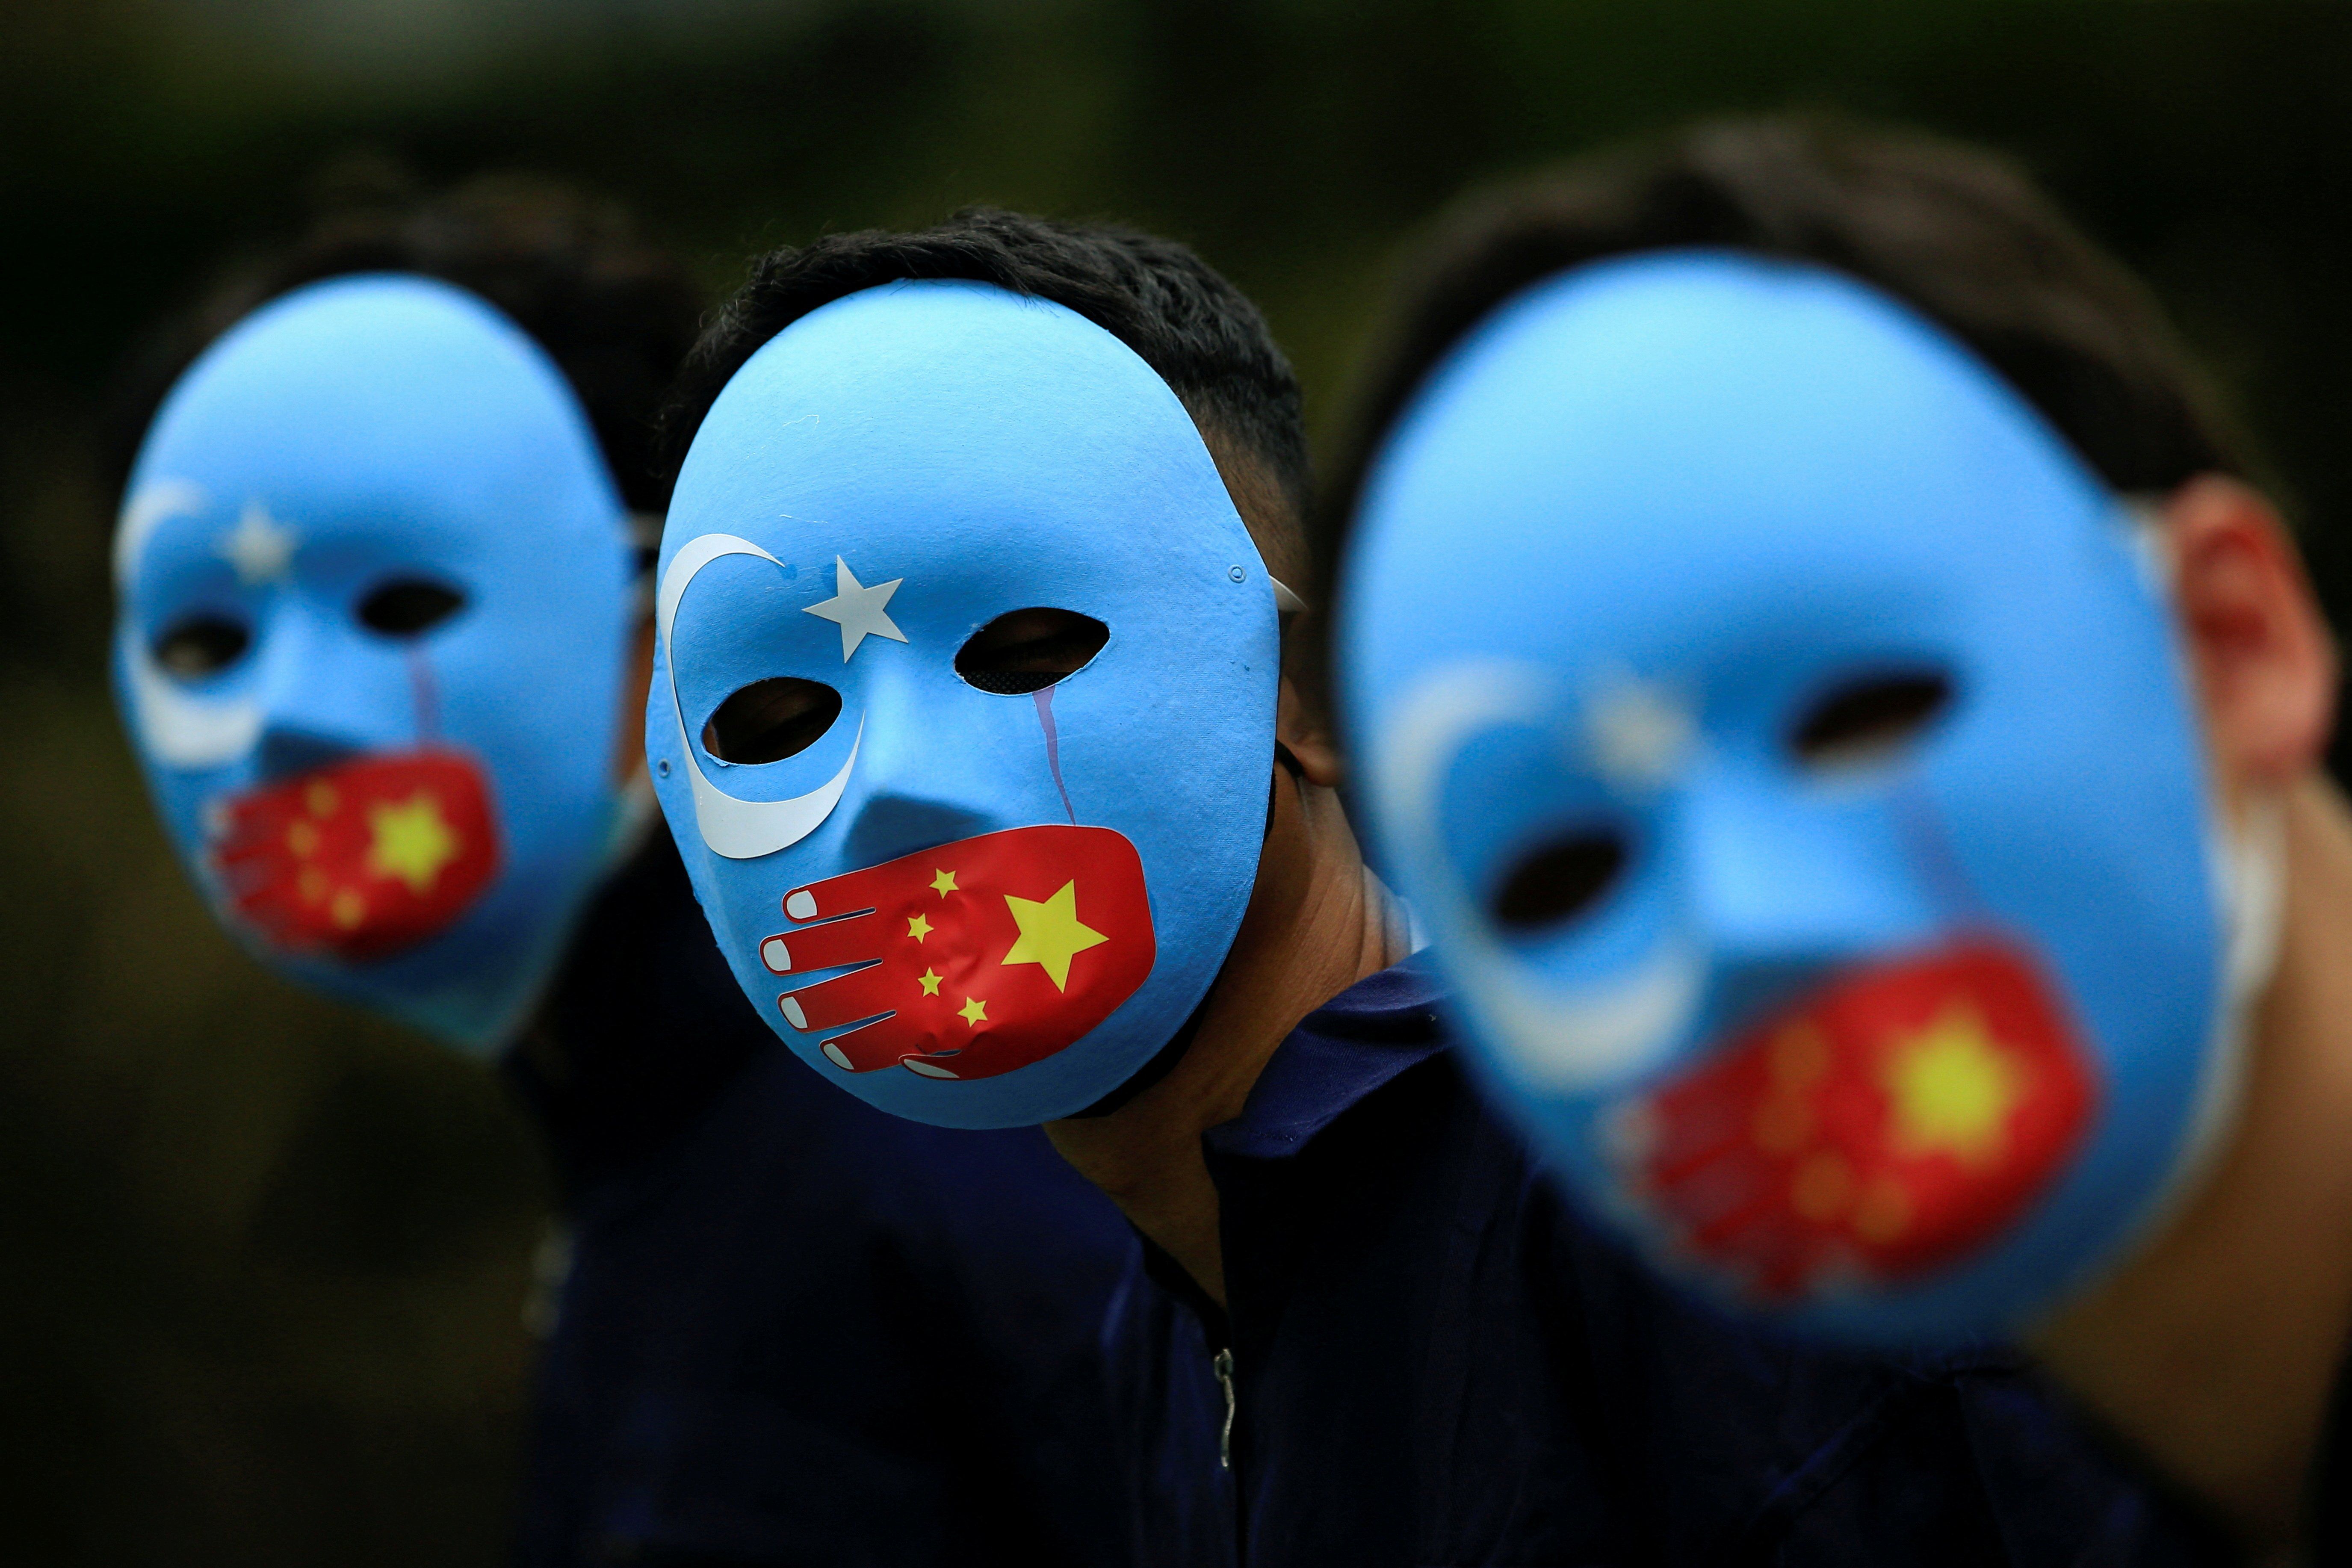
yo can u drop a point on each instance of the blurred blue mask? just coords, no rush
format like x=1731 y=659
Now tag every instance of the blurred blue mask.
x=376 y=603
x=1783 y=736
x=967 y=890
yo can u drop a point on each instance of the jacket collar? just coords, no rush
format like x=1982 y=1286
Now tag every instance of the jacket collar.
x=1337 y=1056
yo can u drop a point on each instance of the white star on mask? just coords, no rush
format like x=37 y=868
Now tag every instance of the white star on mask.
x=858 y=609
x=259 y=547
x=1639 y=735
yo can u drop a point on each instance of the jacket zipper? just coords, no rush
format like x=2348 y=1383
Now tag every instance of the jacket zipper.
x=1224 y=1365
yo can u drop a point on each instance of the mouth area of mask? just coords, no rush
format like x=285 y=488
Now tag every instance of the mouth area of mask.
x=1885 y=1125
x=358 y=860
x=1903 y=1112
x=969 y=960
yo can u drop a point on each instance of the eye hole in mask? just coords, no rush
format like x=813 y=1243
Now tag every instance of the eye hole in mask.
x=408 y=605
x=1866 y=720
x=1558 y=880
x=200 y=645
x=1028 y=650
x=771 y=720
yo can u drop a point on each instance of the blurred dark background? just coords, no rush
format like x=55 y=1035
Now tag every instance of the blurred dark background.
x=265 y=1267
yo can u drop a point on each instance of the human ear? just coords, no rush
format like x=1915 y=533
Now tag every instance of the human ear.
x=2261 y=657
x=1302 y=728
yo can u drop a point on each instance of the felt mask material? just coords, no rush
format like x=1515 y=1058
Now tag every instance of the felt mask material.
x=1783 y=736
x=971 y=907
x=375 y=605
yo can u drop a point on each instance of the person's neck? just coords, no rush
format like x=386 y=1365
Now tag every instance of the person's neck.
x=1316 y=923
x=640 y=1028
x=2215 y=1348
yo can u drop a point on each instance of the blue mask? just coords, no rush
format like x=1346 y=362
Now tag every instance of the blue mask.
x=376 y=603
x=1784 y=737
x=971 y=907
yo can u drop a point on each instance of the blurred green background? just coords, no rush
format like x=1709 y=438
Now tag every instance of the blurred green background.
x=264 y=1265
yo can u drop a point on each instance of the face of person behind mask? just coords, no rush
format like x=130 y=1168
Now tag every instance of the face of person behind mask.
x=374 y=583
x=1783 y=736
x=963 y=707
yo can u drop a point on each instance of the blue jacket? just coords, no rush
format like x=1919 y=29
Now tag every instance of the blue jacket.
x=1435 y=1363
x=796 y=1330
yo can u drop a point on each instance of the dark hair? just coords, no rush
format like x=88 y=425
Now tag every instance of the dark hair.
x=1954 y=233
x=616 y=314
x=1201 y=334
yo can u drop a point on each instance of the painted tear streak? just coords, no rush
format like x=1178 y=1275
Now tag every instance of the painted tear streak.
x=1044 y=697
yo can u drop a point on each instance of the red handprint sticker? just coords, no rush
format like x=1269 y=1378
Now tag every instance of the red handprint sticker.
x=1894 y=1123
x=978 y=957
x=362 y=859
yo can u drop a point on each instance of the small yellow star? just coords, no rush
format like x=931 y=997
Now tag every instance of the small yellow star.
x=944 y=883
x=974 y=1012
x=412 y=841
x=918 y=927
x=929 y=982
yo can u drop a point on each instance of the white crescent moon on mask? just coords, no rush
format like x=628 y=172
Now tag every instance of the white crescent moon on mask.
x=177 y=728
x=1556 y=1037
x=738 y=829
x=155 y=504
